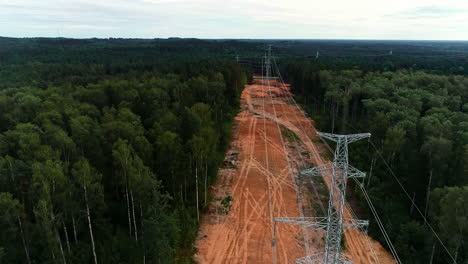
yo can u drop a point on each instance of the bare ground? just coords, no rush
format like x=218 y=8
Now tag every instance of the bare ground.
x=259 y=172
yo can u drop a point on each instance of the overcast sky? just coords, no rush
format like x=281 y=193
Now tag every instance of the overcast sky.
x=305 y=19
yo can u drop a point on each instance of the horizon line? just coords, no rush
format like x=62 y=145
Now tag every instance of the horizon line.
x=260 y=39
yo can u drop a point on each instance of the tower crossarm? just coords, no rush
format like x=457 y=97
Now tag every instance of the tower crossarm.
x=321 y=222
x=350 y=138
x=317 y=171
x=355 y=173
x=314 y=222
x=355 y=223
x=327 y=168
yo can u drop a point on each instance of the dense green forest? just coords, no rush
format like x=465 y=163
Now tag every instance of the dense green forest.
x=419 y=126
x=108 y=146
x=107 y=153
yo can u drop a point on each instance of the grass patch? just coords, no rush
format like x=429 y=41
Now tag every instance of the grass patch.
x=323 y=195
x=289 y=135
x=327 y=155
x=224 y=205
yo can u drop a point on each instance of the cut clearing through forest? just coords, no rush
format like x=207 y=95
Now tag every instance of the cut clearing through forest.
x=271 y=142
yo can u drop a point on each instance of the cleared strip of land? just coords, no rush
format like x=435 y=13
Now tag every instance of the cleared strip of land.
x=271 y=140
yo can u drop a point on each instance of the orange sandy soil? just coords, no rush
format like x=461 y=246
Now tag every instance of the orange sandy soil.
x=260 y=171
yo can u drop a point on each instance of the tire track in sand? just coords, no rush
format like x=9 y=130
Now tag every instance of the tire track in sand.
x=261 y=191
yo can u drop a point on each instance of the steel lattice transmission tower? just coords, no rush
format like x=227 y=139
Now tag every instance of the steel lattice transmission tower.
x=267 y=59
x=340 y=171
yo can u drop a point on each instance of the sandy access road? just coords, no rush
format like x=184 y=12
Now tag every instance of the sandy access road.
x=259 y=173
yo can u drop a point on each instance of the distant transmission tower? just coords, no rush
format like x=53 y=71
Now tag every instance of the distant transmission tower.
x=334 y=223
x=267 y=60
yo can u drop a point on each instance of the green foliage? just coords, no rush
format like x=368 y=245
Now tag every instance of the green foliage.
x=100 y=149
x=10 y=209
x=226 y=204
x=450 y=213
x=289 y=135
x=121 y=126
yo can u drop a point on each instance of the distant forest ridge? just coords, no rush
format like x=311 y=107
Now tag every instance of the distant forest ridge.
x=435 y=56
x=350 y=46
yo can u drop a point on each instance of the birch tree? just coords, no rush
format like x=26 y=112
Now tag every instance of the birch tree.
x=89 y=181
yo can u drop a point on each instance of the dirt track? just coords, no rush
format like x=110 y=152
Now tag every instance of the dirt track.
x=262 y=165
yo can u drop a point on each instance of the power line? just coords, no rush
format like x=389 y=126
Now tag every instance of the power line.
x=270 y=204
x=382 y=228
x=379 y=222
x=334 y=222
x=326 y=144
x=301 y=210
x=414 y=204
x=406 y=193
x=392 y=249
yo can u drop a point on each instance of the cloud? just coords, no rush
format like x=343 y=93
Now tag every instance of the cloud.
x=432 y=12
x=401 y=19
